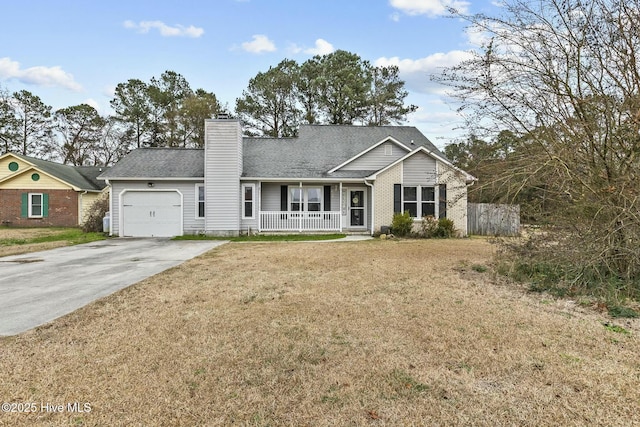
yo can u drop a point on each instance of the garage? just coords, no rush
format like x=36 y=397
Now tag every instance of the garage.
x=152 y=213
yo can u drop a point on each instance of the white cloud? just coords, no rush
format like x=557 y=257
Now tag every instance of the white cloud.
x=395 y=17
x=417 y=72
x=259 y=44
x=431 y=8
x=164 y=29
x=38 y=75
x=322 y=47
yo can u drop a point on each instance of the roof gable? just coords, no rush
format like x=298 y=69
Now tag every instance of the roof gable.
x=368 y=150
x=80 y=178
x=436 y=156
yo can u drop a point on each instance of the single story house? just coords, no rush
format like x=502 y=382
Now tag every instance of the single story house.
x=328 y=179
x=35 y=192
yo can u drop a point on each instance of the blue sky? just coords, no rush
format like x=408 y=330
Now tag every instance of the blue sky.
x=73 y=52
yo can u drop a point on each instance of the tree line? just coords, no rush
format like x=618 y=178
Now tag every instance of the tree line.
x=338 y=88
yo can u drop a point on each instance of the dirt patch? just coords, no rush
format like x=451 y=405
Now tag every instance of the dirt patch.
x=364 y=333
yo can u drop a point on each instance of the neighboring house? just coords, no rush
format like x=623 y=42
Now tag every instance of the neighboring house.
x=39 y=193
x=329 y=178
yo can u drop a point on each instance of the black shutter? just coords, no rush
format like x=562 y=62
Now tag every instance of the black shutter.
x=284 y=198
x=327 y=198
x=397 y=198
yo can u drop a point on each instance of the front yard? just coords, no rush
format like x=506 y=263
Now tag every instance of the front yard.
x=15 y=241
x=380 y=333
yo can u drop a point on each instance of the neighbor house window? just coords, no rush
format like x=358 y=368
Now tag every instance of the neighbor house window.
x=248 y=198
x=199 y=200
x=305 y=199
x=419 y=201
x=36 y=205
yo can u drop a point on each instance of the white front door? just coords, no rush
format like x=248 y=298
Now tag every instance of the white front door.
x=354 y=208
x=151 y=214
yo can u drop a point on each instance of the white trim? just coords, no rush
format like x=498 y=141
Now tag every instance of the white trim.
x=154 y=178
x=197 y=201
x=133 y=190
x=288 y=179
x=469 y=177
x=387 y=139
x=253 y=200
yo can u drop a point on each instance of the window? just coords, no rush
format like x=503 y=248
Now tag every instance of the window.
x=419 y=201
x=314 y=199
x=410 y=197
x=428 y=201
x=305 y=199
x=199 y=200
x=248 y=195
x=36 y=205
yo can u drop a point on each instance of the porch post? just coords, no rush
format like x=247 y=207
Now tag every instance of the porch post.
x=340 y=210
x=258 y=199
x=300 y=208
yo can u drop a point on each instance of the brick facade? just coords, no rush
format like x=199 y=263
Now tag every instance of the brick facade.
x=63 y=208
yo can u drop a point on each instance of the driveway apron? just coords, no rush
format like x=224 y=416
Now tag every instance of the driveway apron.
x=39 y=287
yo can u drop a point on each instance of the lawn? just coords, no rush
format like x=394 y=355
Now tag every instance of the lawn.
x=15 y=241
x=373 y=333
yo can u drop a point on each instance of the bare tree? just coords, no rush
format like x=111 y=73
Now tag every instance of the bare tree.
x=563 y=76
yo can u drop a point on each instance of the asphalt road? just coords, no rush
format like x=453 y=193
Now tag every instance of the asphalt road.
x=39 y=287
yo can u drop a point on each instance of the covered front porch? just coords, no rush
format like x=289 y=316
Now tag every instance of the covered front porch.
x=314 y=207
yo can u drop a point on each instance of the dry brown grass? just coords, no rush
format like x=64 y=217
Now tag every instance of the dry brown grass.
x=370 y=333
x=28 y=233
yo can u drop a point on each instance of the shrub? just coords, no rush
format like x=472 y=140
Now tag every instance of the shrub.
x=442 y=228
x=402 y=224
x=94 y=220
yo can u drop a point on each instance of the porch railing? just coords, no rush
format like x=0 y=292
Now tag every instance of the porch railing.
x=299 y=221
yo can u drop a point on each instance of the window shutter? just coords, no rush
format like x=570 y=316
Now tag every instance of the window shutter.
x=45 y=205
x=397 y=198
x=284 y=194
x=442 y=201
x=25 y=205
x=327 y=198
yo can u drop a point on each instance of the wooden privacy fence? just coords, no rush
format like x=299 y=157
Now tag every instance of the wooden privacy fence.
x=488 y=219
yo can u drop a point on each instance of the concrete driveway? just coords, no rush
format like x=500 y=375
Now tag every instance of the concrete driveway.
x=38 y=287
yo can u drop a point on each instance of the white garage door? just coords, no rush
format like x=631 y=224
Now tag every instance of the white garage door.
x=151 y=214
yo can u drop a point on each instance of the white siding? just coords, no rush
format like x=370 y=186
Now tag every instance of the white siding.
x=376 y=159
x=270 y=196
x=222 y=170
x=419 y=169
x=191 y=224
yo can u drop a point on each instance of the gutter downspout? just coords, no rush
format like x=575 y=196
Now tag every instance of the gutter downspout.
x=373 y=205
x=110 y=206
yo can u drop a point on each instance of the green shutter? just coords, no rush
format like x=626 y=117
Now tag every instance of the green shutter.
x=45 y=205
x=25 y=205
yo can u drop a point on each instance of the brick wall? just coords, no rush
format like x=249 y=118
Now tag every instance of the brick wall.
x=63 y=208
x=384 y=196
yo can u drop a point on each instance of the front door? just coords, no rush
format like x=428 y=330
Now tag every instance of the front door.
x=354 y=214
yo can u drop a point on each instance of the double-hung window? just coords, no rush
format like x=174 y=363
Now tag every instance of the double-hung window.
x=36 y=205
x=199 y=200
x=248 y=198
x=419 y=200
x=306 y=199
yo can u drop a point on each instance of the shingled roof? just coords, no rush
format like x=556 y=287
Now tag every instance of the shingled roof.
x=159 y=163
x=83 y=178
x=317 y=150
x=320 y=148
